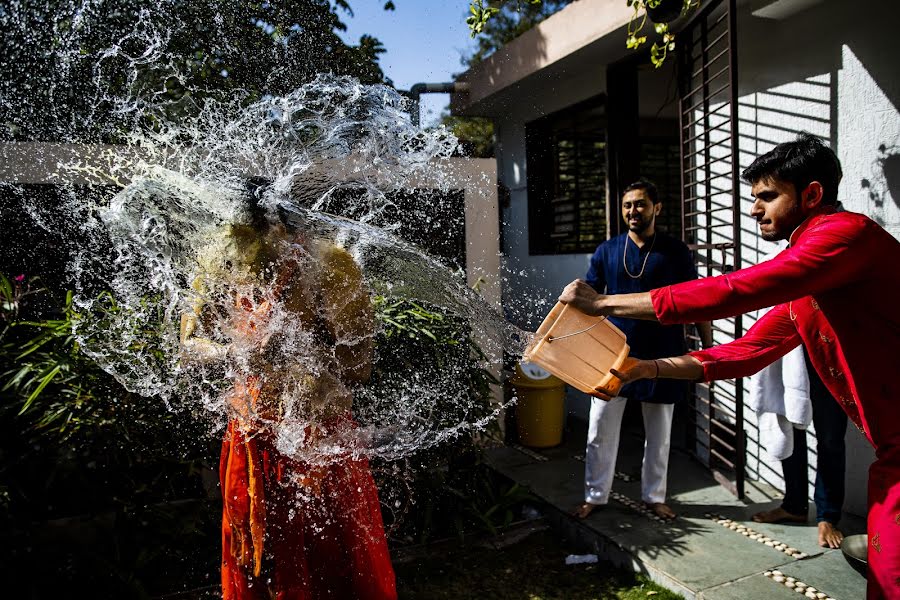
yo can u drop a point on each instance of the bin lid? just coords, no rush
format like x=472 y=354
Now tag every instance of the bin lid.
x=531 y=375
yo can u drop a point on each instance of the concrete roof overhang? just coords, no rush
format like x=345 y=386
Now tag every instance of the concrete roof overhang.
x=583 y=37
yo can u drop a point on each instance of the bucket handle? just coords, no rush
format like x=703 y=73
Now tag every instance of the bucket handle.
x=551 y=338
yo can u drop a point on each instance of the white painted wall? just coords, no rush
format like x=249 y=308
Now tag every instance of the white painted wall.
x=534 y=282
x=827 y=70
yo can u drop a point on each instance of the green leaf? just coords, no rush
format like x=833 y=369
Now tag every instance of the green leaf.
x=40 y=388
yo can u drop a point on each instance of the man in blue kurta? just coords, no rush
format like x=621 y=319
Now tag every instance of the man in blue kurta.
x=638 y=261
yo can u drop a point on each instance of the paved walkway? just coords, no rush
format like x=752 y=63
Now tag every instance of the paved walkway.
x=710 y=552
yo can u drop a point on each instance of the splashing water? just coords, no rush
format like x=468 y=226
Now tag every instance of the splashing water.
x=277 y=333
x=176 y=241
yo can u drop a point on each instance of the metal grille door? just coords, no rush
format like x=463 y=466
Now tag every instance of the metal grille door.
x=707 y=73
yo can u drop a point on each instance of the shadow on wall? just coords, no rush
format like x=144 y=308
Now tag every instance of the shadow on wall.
x=885 y=181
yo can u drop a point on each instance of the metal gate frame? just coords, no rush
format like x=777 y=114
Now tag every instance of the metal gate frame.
x=710 y=213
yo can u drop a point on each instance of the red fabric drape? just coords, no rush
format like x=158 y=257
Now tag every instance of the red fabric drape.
x=321 y=535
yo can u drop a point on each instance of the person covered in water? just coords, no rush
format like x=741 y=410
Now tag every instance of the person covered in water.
x=301 y=516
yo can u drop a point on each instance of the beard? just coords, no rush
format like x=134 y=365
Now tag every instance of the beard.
x=789 y=223
x=772 y=236
x=641 y=226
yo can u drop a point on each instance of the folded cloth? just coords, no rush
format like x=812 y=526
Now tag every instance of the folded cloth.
x=779 y=394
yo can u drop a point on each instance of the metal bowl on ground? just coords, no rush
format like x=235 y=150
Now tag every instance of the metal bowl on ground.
x=855 y=549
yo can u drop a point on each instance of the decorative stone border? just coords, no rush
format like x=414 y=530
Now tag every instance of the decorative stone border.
x=798 y=586
x=623 y=477
x=636 y=506
x=756 y=536
x=529 y=452
x=618 y=474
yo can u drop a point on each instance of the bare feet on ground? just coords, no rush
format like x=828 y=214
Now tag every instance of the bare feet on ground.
x=778 y=515
x=829 y=535
x=584 y=510
x=661 y=510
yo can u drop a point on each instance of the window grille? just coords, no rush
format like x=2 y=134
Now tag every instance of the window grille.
x=566 y=168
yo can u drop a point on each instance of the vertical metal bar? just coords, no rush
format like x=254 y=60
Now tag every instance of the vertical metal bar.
x=707 y=155
x=707 y=159
x=684 y=66
x=576 y=137
x=740 y=442
x=684 y=70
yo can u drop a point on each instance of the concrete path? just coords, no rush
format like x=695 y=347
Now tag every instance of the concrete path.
x=712 y=551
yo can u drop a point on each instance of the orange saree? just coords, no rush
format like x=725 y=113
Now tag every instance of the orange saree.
x=293 y=530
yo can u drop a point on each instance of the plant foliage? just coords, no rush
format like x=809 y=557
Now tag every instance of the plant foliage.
x=482 y=16
x=82 y=71
x=445 y=489
x=111 y=488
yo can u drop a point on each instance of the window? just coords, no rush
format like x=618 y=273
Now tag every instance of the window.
x=661 y=164
x=566 y=165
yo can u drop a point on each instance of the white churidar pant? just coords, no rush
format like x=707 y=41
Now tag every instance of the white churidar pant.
x=604 y=428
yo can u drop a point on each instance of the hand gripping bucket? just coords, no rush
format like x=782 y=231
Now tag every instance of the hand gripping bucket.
x=579 y=349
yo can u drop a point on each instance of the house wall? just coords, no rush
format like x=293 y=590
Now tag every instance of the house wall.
x=532 y=283
x=827 y=70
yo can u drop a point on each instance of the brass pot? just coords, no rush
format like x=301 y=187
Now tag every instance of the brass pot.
x=855 y=549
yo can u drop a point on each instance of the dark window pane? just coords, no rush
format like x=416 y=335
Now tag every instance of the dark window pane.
x=566 y=165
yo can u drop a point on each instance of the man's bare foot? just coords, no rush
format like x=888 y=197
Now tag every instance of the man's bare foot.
x=661 y=510
x=829 y=535
x=778 y=515
x=584 y=510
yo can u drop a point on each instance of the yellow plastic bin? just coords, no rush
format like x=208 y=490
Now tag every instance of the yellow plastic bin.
x=541 y=406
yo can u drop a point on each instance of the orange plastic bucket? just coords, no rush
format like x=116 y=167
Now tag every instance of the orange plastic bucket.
x=579 y=349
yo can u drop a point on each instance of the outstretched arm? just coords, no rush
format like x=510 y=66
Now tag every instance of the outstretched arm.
x=770 y=338
x=828 y=254
x=583 y=297
x=832 y=252
x=676 y=367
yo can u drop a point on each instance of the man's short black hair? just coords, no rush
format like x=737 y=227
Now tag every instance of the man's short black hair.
x=799 y=162
x=644 y=184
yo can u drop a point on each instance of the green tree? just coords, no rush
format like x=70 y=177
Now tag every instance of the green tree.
x=85 y=70
x=505 y=20
x=475 y=134
x=509 y=19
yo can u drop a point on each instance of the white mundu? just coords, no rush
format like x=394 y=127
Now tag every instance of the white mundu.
x=604 y=427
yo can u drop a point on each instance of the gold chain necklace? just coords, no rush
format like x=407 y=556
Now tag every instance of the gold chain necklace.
x=644 y=266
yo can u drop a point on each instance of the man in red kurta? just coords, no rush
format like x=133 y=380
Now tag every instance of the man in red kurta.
x=836 y=289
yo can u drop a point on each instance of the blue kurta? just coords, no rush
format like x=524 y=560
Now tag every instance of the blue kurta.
x=669 y=262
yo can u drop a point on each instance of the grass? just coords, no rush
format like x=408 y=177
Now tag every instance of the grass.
x=532 y=568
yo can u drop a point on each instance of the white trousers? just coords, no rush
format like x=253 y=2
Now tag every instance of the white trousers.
x=604 y=428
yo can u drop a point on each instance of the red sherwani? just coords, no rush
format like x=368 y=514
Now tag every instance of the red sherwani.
x=836 y=290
